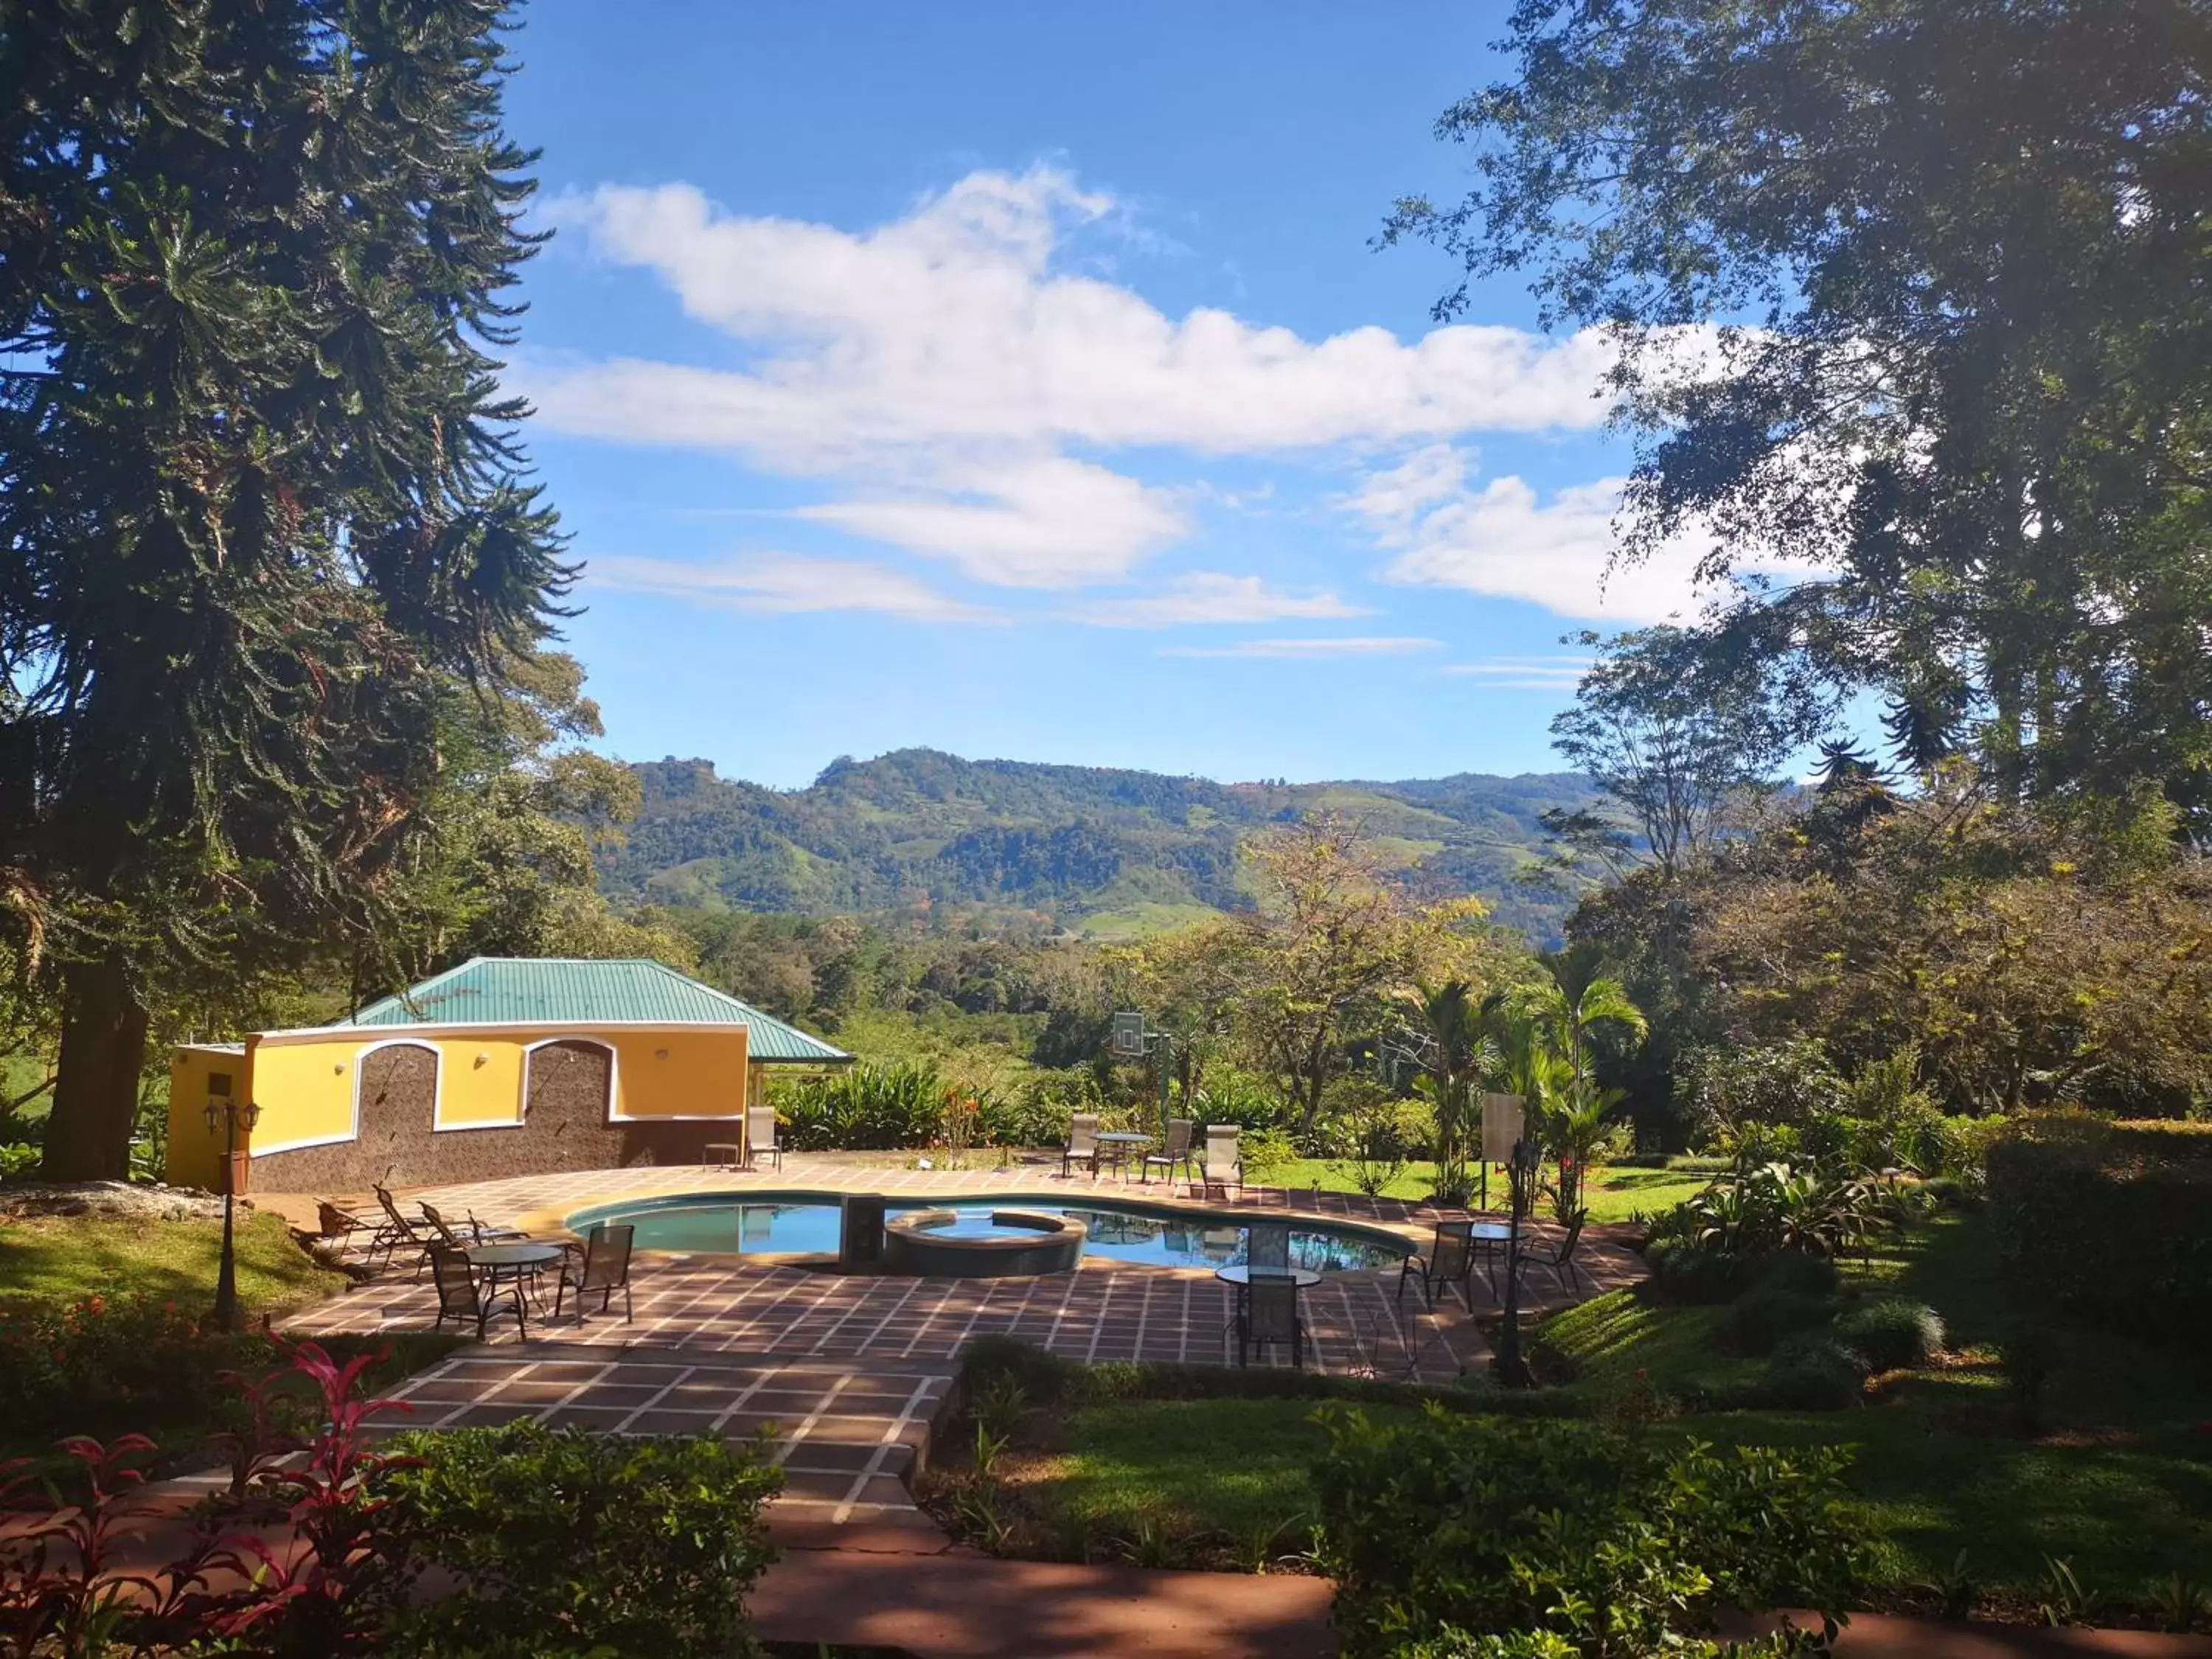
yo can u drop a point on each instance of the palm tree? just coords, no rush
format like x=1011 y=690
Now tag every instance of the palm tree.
x=1564 y=1009
x=1456 y=1050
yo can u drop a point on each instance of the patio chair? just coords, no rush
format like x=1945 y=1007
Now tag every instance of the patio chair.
x=1173 y=1155
x=398 y=1234
x=1268 y=1246
x=1082 y=1143
x=760 y=1137
x=1223 y=1163
x=1268 y=1312
x=605 y=1268
x=1450 y=1260
x=461 y=1297
x=1559 y=1257
x=338 y=1225
x=478 y=1233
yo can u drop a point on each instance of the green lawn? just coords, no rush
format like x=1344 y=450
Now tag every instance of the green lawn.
x=2119 y=1481
x=61 y=1258
x=1612 y=1194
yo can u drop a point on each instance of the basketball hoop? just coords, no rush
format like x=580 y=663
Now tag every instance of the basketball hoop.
x=1128 y=1042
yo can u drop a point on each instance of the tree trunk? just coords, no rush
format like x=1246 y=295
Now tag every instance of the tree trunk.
x=103 y=1053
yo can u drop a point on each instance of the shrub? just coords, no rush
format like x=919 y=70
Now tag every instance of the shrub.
x=1891 y=1333
x=1761 y=1318
x=1800 y=1274
x=1812 y=1372
x=2109 y=1220
x=1448 y=1530
x=565 y=1542
x=864 y=1109
x=103 y=1363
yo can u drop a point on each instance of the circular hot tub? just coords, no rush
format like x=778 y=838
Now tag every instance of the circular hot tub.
x=1005 y=1244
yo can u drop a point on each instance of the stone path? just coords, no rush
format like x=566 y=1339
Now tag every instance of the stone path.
x=848 y=1436
x=696 y=1305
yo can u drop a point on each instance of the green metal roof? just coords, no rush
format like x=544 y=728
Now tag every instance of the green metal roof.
x=573 y=991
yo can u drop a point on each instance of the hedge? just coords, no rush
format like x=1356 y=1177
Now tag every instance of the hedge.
x=2110 y=1220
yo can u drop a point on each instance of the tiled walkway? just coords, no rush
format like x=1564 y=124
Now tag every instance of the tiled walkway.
x=706 y=1305
x=847 y=1435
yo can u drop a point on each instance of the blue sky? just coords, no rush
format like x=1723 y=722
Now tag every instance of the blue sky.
x=1020 y=380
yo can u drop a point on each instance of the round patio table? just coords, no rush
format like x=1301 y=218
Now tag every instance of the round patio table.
x=1242 y=1275
x=1120 y=1144
x=521 y=1262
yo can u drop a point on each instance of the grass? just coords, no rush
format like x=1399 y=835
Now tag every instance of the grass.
x=63 y=1257
x=1612 y=1194
x=2118 y=1482
x=1225 y=1466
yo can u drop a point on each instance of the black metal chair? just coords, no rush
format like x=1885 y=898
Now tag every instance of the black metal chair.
x=1175 y=1155
x=1561 y=1256
x=604 y=1268
x=1450 y=1260
x=1268 y=1246
x=461 y=1296
x=1268 y=1312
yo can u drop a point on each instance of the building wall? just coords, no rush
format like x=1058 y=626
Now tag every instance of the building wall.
x=340 y=1111
x=195 y=1154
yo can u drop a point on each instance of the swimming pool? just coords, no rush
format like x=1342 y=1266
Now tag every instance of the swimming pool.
x=762 y=1224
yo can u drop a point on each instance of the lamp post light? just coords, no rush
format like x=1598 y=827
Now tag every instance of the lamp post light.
x=226 y=1116
x=1512 y=1368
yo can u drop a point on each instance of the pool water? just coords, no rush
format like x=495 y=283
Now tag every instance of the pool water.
x=714 y=1224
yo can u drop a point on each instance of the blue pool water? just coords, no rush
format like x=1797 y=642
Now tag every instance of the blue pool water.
x=779 y=1224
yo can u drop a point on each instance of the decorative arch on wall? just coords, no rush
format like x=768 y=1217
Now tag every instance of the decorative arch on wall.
x=570 y=1079
x=399 y=1087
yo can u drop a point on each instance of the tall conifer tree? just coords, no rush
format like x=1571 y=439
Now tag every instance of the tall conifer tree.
x=260 y=494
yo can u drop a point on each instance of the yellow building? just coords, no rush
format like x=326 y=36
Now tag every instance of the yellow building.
x=503 y=1065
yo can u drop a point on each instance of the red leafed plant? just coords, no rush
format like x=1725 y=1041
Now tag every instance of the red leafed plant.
x=294 y=1559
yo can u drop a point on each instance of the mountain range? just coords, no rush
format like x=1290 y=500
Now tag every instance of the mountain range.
x=1098 y=850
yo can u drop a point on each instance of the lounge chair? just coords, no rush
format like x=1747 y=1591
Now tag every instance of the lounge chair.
x=604 y=1268
x=1450 y=1260
x=1559 y=1257
x=1175 y=1155
x=1223 y=1162
x=1268 y=1246
x=399 y=1235
x=462 y=1297
x=336 y=1224
x=760 y=1137
x=1268 y=1312
x=1082 y=1143
x=478 y=1233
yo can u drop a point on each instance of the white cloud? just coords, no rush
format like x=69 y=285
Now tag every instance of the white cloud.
x=784 y=583
x=1501 y=540
x=1207 y=596
x=1049 y=523
x=959 y=385
x=1524 y=673
x=1382 y=647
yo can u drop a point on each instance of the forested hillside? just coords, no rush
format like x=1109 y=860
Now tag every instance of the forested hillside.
x=1107 y=851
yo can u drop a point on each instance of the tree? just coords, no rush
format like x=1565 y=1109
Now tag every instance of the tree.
x=1331 y=941
x=1908 y=299
x=259 y=491
x=1566 y=1008
x=1679 y=738
x=2024 y=961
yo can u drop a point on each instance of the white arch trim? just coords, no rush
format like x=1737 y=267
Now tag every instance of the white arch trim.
x=359 y=1063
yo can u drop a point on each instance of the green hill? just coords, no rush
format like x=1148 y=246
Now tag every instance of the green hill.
x=1103 y=851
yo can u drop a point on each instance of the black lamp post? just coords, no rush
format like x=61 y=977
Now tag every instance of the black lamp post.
x=1512 y=1368
x=229 y=1116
